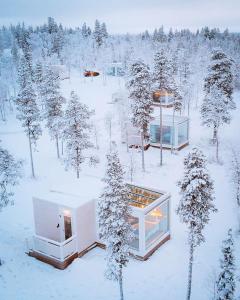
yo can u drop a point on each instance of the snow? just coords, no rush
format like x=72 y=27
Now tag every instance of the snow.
x=164 y=275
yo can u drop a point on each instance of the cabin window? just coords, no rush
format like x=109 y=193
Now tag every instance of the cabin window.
x=156 y=223
x=167 y=134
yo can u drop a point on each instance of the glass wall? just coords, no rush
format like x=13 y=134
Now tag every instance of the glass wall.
x=134 y=221
x=167 y=133
x=166 y=99
x=156 y=223
x=182 y=132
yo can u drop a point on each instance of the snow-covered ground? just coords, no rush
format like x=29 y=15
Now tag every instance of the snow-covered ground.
x=164 y=275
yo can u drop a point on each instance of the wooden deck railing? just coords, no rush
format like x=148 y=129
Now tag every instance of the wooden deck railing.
x=54 y=249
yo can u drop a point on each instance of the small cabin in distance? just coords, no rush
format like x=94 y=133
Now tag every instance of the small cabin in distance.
x=115 y=69
x=66 y=224
x=174 y=133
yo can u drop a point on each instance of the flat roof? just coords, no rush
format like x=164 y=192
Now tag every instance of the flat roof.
x=73 y=194
x=88 y=188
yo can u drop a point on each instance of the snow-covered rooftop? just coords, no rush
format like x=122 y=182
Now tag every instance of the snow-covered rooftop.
x=73 y=194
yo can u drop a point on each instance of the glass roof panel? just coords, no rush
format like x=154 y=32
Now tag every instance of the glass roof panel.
x=141 y=197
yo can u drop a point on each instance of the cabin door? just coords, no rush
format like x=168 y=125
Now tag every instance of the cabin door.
x=66 y=224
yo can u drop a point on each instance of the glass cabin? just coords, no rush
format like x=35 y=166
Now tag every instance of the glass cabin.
x=150 y=220
x=175 y=133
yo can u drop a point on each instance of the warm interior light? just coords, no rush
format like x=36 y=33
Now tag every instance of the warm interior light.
x=67 y=212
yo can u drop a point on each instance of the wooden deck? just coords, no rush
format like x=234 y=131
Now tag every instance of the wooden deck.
x=169 y=148
x=64 y=264
x=61 y=265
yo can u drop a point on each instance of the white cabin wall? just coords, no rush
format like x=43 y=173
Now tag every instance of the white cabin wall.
x=46 y=218
x=86 y=225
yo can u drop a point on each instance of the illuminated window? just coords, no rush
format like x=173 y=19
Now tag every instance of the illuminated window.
x=156 y=223
x=67 y=224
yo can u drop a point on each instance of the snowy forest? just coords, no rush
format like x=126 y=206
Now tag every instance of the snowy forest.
x=62 y=125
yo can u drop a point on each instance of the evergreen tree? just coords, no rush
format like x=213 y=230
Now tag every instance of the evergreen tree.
x=10 y=172
x=98 y=33
x=162 y=73
x=219 y=82
x=104 y=32
x=226 y=279
x=196 y=203
x=27 y=51
x=53 y=104
x=76 y=133
x=84 y=30
x=220 y=74
x=139 y=86
x=113 y=212
x=28 y=111
x=38 y=73
x=215 y=111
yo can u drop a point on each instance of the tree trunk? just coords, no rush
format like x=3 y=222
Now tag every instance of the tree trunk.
x=214 y=134
x=78 y=163
x=121 y=284
x=160 y=129
x=58 y=154
x=190 y=267
x=142 y=148
x=31 y=155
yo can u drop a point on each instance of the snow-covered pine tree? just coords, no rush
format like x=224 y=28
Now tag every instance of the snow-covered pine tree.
x=84 y=30
x=162 y=73
x=104 y=32
x=10 y=172
x=28 y=111
x=98 y=33
x=215 y=111
x=27 y=50
x=38 y=73
x=220 y=76
x=226 y=279
x=113 y=212
x=53 y=104
x=196 y=203
x=139 y=86
x=76 y=134
x=38 y=80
